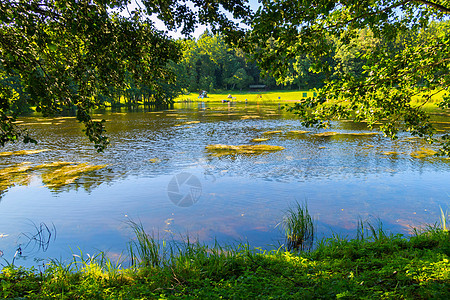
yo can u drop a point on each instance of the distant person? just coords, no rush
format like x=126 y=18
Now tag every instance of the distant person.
x=229 y=96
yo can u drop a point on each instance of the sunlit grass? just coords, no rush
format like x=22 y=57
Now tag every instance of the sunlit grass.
x=263 y=96
x=374 y=266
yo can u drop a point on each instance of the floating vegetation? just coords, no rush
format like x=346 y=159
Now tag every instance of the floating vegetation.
x=188 y=123
x=154 y=160
x=272 y=132
x=423 y=152
x=65 y=173
x=298 y=131
x=23 y=152
x=19 y=168
x=333 y=133
x=363 y=133
x=250 y=117
x=56 y=164
x=327 y=133
x=260 y=140
x=13 y=175
x=220 y=150
x=68 y=174
x=392 y=153
x=36 y=123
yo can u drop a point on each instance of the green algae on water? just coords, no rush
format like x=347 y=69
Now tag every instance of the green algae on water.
x=221 y=150
x=256 y=140
x=272 y=132
x=68 y=174
x=423 y=153
x=23 y=152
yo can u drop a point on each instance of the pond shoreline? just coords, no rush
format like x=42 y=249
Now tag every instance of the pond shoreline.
x=373 y=267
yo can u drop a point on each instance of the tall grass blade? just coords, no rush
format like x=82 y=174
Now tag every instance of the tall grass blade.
x=443 y=219
x=298 y=226
x=146 y=249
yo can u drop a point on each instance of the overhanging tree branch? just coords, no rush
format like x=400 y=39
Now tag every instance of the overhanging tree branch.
x=438 y=6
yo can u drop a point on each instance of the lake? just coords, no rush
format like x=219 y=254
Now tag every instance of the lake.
x=157 y=171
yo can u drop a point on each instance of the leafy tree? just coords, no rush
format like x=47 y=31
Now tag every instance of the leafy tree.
x=57 y=54
x=375 y=78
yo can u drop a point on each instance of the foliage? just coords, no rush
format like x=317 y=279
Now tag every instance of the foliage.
x=63 y=54
x=376 y=55
x=390 y=267
x=298 y=226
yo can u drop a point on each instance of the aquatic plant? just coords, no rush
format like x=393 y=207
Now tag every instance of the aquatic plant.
x=423 y=153
x=27 y=242
x=68 y=174
x=249 y=117
x=256 y=140
x=220 y=150
x=23 y=152
x=325 y=134
x=145 y=250
x=187 y=123
x=272 y=132
x=298 y=131
x=366 y=230
x=443 y=219
x=298 y=226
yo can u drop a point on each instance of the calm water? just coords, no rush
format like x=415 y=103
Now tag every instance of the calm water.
x=236 y=197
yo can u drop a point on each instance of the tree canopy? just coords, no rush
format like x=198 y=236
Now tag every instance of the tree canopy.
x=63 y=54
x=402 y=50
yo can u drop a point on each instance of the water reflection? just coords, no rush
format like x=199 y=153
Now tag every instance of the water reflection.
x=349 y=174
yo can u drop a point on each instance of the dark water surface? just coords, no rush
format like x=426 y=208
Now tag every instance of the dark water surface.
x=229 y=198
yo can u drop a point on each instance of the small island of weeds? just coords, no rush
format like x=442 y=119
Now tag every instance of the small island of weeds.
x=372 y=266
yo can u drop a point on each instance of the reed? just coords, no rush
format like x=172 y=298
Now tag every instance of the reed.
x=298 y=226
x=443 y=219
x=145 y=250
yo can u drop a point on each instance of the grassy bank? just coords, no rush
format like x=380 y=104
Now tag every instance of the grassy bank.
x=372 y=266
x=262 y=96
x=282 y=96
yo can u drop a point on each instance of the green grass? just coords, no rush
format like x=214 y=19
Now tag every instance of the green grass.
x=264 y=96
x=374 y=267
x=298 y=226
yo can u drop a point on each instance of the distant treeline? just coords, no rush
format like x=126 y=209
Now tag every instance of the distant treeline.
x=210 y=64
